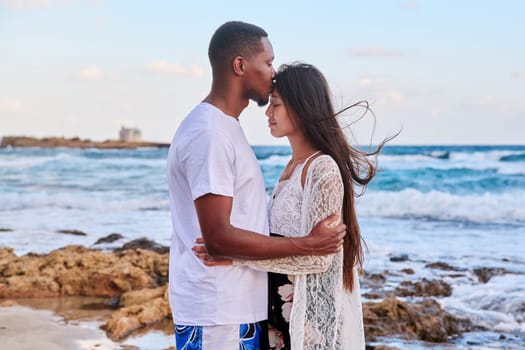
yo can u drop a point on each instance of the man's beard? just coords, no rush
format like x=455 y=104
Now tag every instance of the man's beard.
x=263 y=101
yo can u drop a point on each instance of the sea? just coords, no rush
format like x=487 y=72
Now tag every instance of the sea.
x=463 y=206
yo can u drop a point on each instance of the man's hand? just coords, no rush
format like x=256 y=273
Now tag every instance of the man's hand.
x=326 y=237
x=202 y=253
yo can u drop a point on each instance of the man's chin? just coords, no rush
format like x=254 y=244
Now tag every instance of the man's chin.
x=261 y=102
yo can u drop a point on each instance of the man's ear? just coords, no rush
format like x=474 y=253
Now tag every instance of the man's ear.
x=238 y=65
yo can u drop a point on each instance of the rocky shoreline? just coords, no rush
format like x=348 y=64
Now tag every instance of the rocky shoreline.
x=132 y=280
x=74 y=142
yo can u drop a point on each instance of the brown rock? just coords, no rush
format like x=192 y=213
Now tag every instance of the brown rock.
x=375 y=280
x=72 y=232
x=425 y=321
x=442 y=266
x=142 y=296
x=76 y=270
x=486 y=273
x=6 y=255
x=423 y=288
x=144 y=243
x=381 y=347
x=132 y=318
x=109 y=238
x=399 y=258
x=75 y=142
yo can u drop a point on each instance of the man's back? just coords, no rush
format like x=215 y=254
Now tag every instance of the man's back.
x=210 y=154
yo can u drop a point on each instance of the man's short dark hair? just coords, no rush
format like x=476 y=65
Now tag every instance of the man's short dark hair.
x=232 y=39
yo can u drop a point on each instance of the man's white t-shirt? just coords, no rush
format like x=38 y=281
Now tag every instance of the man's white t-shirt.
x=210 y=154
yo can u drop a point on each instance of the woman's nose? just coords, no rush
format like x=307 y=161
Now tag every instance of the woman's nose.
x=268 y=112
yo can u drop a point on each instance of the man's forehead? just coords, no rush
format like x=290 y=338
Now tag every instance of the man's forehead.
x=267 y=47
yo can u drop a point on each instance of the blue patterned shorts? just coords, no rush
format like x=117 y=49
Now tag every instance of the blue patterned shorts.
x=248 y=336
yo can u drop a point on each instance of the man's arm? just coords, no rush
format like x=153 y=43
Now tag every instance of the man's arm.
x=225 y=240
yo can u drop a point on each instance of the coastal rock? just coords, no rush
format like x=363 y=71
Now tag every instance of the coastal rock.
x=135 y=281
x=74 y=142
x=137 y=316
x=6 y=255
x=423 y=288
x=375 y=284
x=72 y=232
x=425 y=320
x=486 y=273
x=442 y=266
x=109 y=238
x=142 y=296
x=374 y=280
x=79 y=271
x=144 y=243
x=399 y=258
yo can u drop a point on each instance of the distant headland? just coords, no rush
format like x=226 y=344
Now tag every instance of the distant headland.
x=74 y=142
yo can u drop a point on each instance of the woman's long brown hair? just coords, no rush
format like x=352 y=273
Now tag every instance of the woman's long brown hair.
x=306 y=95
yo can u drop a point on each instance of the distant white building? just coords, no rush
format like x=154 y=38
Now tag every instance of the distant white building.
x=130 y=134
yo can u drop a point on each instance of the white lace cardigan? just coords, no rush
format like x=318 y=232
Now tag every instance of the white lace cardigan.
x=324 y=315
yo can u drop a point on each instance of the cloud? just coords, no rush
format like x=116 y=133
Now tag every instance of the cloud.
x=11 y=105
x=30 y=4
x=176 y=69
x=92 y=73
x=486 y=100
x=379 y=52
x=391 y=96
x=409 y=5
x=372 y=81
x=519 y=75
x=379 y=90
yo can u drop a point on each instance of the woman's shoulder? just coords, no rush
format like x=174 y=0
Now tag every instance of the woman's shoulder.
x=321 y=166
x=323 y=162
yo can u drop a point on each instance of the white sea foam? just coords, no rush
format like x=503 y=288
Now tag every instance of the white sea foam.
x=479 y=161
x=82 y=200
x=442 y=206
x=275 y=160
x=65 y=158
x=498 y=304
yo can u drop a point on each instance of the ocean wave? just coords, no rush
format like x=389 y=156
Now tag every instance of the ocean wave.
x=478 y=156
x=66 y=159
x=494 y=208
x=16 y=162
x=439 y=154
x=519 y=157
x=275 y=160
x=498 y=305
x=476 y=162
x=85 y=201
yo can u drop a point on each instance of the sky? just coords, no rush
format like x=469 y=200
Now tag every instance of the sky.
x=438 y=71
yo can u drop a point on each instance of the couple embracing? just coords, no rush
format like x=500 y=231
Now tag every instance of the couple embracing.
x=244 y=288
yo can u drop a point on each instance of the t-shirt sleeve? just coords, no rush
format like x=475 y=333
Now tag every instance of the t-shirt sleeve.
x=209 y=162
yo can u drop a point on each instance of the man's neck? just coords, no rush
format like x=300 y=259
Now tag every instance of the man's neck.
x=228 y=102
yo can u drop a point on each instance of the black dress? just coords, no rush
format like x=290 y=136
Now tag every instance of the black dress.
x=276 y=302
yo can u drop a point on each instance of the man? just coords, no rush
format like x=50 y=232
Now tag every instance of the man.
x=217 y=192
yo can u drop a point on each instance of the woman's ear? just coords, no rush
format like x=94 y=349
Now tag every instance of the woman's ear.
x=238 y=65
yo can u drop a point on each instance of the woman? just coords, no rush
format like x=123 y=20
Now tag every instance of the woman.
x=314 y=300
